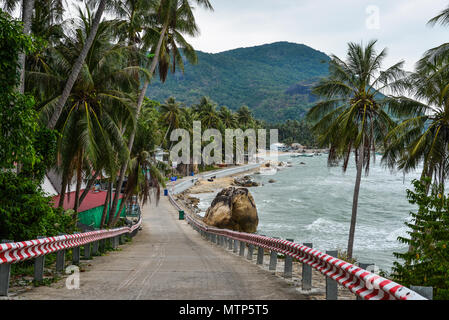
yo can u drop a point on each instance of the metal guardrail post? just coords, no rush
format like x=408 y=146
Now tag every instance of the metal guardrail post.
x=60 y=259
x=115 y=242
x=102 y=245
x=39 y=267
x=273 y=258
x=426 y=292
x=121 y=239
x=87 y=251
x=242 y=248
x=288 y=264
x=331 y=284
x=5 y=272
x=364 y=266
x=260 y=253
x=307 y=273
x=95 y=248
x=249 y=256
x=230 y=244
x=76 y=254
x=236 y=245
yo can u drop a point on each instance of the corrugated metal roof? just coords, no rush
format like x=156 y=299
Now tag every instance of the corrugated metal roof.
x=93 y=199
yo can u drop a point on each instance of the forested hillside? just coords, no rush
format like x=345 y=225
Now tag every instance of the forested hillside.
x=274 y=80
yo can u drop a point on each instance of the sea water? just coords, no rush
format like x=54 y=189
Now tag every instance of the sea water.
x=312 y=203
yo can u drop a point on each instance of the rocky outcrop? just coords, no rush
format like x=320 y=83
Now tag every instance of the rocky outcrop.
x=245 y=182
x=234 y=209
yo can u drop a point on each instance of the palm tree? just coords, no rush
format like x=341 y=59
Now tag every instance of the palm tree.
x=170 y=115
x=244 y=117
x=78 y=64
x=98 y=109
x=167 y=16
x=441 y=51
x=423 y=137
x=209 y=117
x=351 y=117
x=227 y=118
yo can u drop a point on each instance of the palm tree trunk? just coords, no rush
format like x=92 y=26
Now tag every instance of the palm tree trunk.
x=79 y=176
x=89 y=186
x=139 y=106
x=63 y=188
x=27 y=14
x=106 y=205
x=122 y=205
x=77 y=66
x=355 y=202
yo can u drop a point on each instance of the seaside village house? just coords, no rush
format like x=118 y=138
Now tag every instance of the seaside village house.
x=90 y=210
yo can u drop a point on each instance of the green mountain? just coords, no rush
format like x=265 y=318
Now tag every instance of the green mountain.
x=273 y=80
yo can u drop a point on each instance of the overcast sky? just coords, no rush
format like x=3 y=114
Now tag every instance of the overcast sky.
x=325 y=25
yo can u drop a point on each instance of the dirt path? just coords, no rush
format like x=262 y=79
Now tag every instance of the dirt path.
x=169 y=260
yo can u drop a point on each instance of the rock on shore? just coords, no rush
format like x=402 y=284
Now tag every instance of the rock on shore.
x=246 y=182
x=234 y=209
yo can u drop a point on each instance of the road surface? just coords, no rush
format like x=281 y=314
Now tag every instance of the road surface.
x=169 y=260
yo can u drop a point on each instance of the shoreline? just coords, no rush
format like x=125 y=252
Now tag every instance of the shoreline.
x=318 y=291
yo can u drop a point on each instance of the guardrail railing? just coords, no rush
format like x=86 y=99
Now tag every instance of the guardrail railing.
x=364 y=284
x=13 y=252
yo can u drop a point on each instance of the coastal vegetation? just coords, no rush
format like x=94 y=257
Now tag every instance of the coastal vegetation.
x=427 y=261
x=352 y=115
x=363 y=107
x=273 y=80
x=79 y=112
x=78 y=96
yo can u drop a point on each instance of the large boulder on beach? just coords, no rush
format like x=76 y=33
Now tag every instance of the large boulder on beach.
x=234 y=209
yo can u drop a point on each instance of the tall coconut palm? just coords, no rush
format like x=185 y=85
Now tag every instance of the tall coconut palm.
x=90 y=132
x=423 y=137
x=168 y=14
x=352 y=117
x=78 y=64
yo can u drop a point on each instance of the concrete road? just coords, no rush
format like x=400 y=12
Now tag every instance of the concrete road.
x=169 y=260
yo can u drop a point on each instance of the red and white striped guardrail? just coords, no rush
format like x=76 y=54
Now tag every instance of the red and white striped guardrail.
x=367 y=285
x=19 y=251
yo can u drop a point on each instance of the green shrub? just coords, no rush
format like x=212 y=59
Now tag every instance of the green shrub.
x=26 y=213
x=426 y=263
